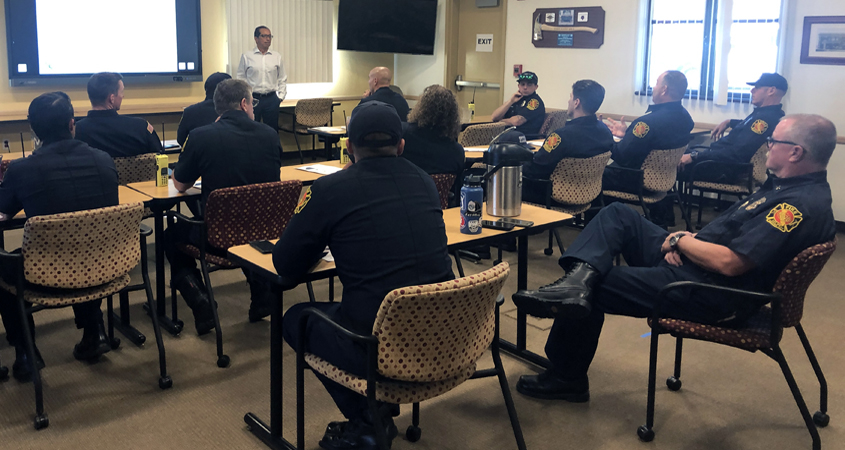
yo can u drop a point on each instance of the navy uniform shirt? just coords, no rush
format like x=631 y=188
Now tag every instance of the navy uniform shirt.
x=118 y=135
x=382 y=221
x=773 y=225
x=530 y=107
x=385 y=95
x=583 y=137
x=195 y=116
x=234 y=151
x=61 y=176
x=745 y=138
x=432 y=152
x=664 y=126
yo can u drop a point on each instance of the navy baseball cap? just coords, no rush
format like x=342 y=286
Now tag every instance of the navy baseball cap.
x=212 y=81
x=374 y=117
x=530 y=77
x=771 y=79
x=514 y=137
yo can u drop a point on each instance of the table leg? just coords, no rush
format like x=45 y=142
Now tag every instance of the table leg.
x=272 y=435
x=519 y=350
x=122 y=322
x=173 y=327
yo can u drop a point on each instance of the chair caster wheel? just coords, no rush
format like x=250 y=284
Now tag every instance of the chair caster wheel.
x=165 y=382
x=821 y=419
x=413 y=433
x=223 y=361
x=4 y=373
x=114 y=343
x=548 y=251
x=673 y=384
x=645 y=434
x=41 y=421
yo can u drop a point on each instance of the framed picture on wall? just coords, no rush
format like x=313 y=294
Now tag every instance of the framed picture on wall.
x=824 y=40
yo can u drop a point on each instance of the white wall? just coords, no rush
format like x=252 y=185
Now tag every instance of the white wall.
x=416 y=72
x=815 y=89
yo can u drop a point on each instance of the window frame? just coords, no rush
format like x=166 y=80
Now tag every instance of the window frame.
x=708 y=56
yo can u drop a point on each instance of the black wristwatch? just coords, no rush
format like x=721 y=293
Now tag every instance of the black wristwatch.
x=673 y=241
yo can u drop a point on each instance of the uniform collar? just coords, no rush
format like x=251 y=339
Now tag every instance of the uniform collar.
x=778 y=107
x=589 y=119
x=775 y=183
x=667 y=105
x=234 y=114
x=256 y=50
x=102 y=113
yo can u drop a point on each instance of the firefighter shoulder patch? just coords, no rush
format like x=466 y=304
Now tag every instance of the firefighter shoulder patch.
x=784 y=217
x=551 y=142
x=759 y=126
x=640 y=129
x=303 y=201
x=533 y=104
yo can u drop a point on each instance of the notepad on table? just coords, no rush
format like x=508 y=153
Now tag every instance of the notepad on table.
x=322 y=169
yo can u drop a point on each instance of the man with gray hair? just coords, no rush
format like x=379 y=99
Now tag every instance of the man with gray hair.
x=747 y=247
x=233 y=151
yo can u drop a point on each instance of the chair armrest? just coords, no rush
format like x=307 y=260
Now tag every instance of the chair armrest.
x=321 y=316
x=146 y=230
x=182 y=217
x=626 y=176
x=546 y=184
x=697 y=146
x=733 y=171
x=772 y=297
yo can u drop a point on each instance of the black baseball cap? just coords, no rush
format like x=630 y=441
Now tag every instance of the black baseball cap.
x=530 y=77
x=212 y=81
x=514 y=137
x=374 y=117
x=771 y=79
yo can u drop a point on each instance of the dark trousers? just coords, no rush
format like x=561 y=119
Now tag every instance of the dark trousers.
x=326 y=343
x=627 y=290
x=267 y=110
x=181 y=233
x=662 y=212
x=86 y=314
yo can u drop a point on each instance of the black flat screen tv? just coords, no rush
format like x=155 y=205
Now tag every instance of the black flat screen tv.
x=65 y=41
x=387 y=26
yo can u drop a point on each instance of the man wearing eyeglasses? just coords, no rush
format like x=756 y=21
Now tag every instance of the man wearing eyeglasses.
x=525 y=109
x=746 y=136
x=264 y=70
x=747 y=247
x=233 y=151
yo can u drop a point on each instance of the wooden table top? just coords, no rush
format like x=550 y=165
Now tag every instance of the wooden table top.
x=328 y=131
x=150 y=189
x=452 y=218
x=293 y=173
x=477 y=151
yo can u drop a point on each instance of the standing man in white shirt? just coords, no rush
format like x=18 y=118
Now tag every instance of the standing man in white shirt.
x=264 y=70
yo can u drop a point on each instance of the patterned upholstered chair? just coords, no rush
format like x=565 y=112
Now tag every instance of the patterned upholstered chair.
x=762 y=332
x=480 y=134
x=73 y=258
x=444 y=183
x=132 y=169
x=236 y=216
x=555 y=118
x=744 y=179
x=571 y=188
x=652 y=182
x=309 y=112
x=4 y=165
x=417 y=329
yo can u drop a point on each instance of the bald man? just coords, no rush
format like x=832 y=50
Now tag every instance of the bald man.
x=379 y=83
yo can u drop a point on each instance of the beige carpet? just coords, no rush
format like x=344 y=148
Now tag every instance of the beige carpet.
x=731 y=399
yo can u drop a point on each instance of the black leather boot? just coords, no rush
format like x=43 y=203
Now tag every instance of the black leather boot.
x=22 y=369
x=195 y=296
x=550 y=386
x=94 y=343
x=570 y=296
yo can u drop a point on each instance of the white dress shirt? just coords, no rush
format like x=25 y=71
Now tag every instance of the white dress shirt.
x=265 y=73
